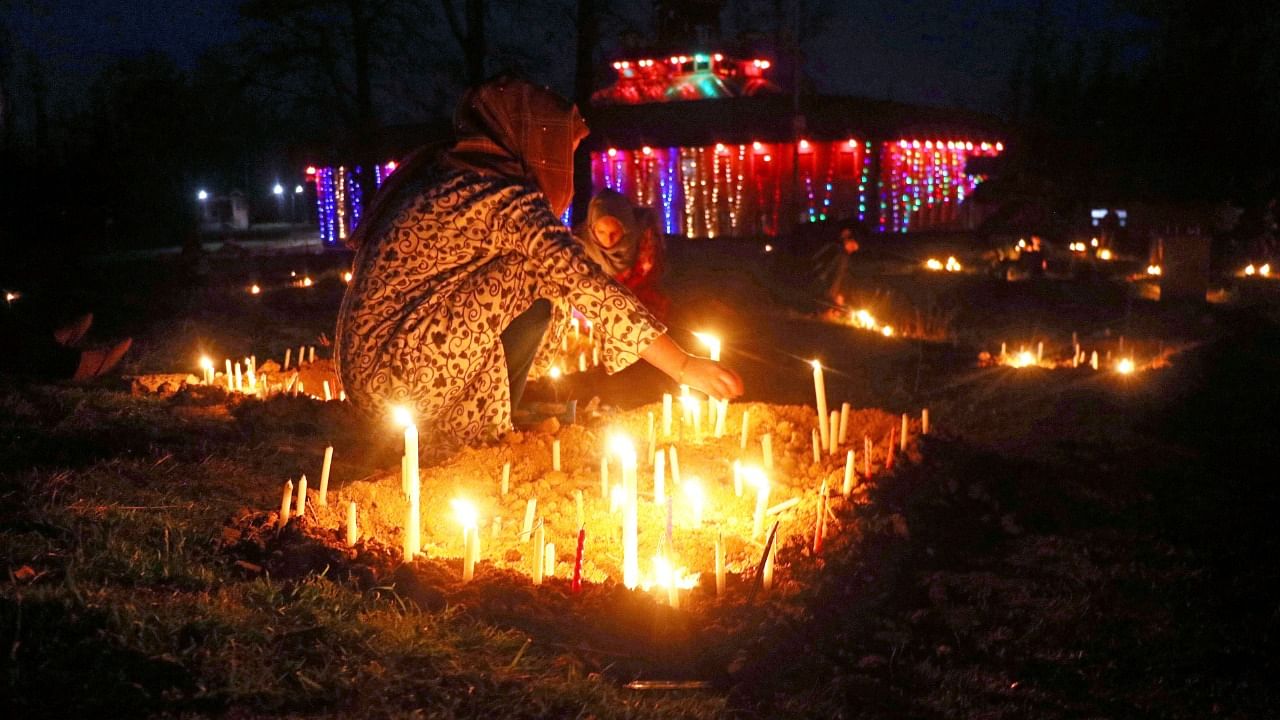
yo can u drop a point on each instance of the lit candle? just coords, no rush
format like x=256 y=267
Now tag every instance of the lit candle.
x=659 y=477
x=207 y=366
x=833 y=434
x=666 y=416
x=817 y=451
x=595 y=356
x=239 y=379
x=719 y=563
x=311 y=356
x=820 y=392
x=231 y=377
x=844 y=421
x=549 y=561
x=924 y=421
x=576 y=587
x=413 y=516
x=713 y=344
x=555 y=455
x=327 y=395
x=766 y=444
x=302 y=498
x=506 y=478
x=302 y=355
x=539 y=552
x=352 y=532
x=630 y=560
x=288 y=354
x=737 y=478
x=1039 y=352
x=697 y=499
x=755 y=476
x=848 y=474
x=675 y=466
x=902 y=438
x=466 y=514
x=323 y=500
x=746 y=427
x=653 y=437
x=286 y=498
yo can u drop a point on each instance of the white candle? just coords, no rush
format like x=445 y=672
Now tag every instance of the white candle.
x=286 y=499
x=529 y=509
x=539 y=552
x=1040 y=351
x=302 y=497
x=549 y=561
x=766 y=444
x=311 y=356
x=746 y=427
x=468 y=553
x=767 y=580
x=555 y=455
x=924 y=421
x=659 y=478
x=675 y=466
x=506 y=478
x=302 y=355
x=1093 y=360
x=239 y=379
x=902 y=439
x=653 y=436
x=820 y=392
x=834 y=433
x=817 y=450
x=666 y=416
x=323 y=500
x=696 y=408
x=844 y=421
x=719 y=563
x=288 y=353
x=327 y=395
x=231 y=378
x=848 y=474
x=722 y=409
x=582 y=362
x=737 y=478
x=352 y=531
x=758 y=478
x=413 y=514
x=595 y=356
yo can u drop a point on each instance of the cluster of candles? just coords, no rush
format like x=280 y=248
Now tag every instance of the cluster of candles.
x=243 y=377
x=291 y=505
x=1263 y=270
x=864 y=320
x=1027 y=358
x=673 y=496
x=951 y=265
x=579 y=349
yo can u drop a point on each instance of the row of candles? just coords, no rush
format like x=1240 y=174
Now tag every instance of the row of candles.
x=243 y=377
x=296 y=281
x=1026 y=357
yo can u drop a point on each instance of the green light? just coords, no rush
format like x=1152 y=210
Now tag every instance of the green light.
x=700 y=58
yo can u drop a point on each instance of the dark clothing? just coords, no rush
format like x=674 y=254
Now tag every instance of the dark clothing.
x=33 y=352
x=520 y=343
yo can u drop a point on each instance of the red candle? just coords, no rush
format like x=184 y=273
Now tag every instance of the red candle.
x=577 y=561
x=820 y=522
x=888 y=458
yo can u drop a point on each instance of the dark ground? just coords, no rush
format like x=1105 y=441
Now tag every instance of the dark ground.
x=1069 y=545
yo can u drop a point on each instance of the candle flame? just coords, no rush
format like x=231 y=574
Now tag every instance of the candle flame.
x=755 y=477
x=1155 y=270
x=402 y=416
x=555 y=372
x=711 y=341
x=953 y=265
x=697 y=497
x=1025 y=358
x=1104 y=254
x=205 y=363
x=887 y=331
x=346 y=276
x=621 y=446
x=933 y=264
x=1265 y=270
x=465 y=512
x=306 y=282
x=254 y=289
x=1125 y=366
x=816 y=365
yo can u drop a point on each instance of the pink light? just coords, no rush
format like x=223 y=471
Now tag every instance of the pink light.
x=805 y=147
x=391 y=165
x=646 y=150
x=311 y=169
x=768 y=158
x=613 y=152
x=915 y=144
x=999 y=147
x=617 y=65
x=928 y=145
x=720 y=149
x=764 y=64
x=757 y=146
x=719 y=57
x=968 y=146
x=853 y=143
x=904 y=144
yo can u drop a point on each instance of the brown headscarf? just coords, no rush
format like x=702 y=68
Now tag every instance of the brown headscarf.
x=511 y=127
x=505 y=126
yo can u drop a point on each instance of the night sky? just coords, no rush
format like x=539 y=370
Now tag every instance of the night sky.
x=948 y=52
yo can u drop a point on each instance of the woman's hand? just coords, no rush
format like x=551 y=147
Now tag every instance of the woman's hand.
x=711 y=378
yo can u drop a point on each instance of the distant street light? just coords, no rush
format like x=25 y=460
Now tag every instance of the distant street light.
x=278 y=189
x=297 y=190
x=202 y=195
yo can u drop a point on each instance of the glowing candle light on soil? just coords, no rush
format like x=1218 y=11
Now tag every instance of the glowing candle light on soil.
x=817 y=451
x=506 y=478
x=467 y=516
x=820 y=392
x=756 y=477
x=555 y=455
x=666 y=415
x=746 y=427
x=413 y=516
x=352 y=530
x=549 y=562
x=323 y=500
x=288 y=353
x=539 y=552
x=675 y=466
x=529 y=509
x=659 y=477
x=206 y=365
x=630 y=559
x=844 y=421
x=834 y=432
x=924 y=421
x=327 y=395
